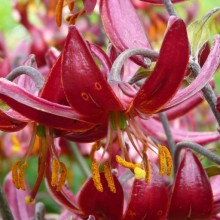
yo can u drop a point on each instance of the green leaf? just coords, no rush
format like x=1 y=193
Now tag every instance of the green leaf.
x=212 y=170
x=199 y=32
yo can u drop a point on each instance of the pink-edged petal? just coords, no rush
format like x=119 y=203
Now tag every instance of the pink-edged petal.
x=192 y=194
x=41 y=110
x=103 y=205
x=168 y=73
x=16 y=200
x=210 y=66
x=85 y=86
x=161 y=1
x=123 y=26
x=184 y=107
x=154 y=128
x=89 y=5
x=148 y=201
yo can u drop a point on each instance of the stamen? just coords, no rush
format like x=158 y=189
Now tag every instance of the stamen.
x=55 y=172
x=126 y=164
x=21 y=176
x=109 y=177
x=70 y=4
x=162 y=160
x=169 y=160
x=139 y=173
x=73 y=18
x=62 y=178
x=59 y=10
x=147 y=168
x=14 y=170
x=96 y=176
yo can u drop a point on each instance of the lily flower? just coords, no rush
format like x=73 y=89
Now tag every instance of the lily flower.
x=190 y=196
x=89 y=108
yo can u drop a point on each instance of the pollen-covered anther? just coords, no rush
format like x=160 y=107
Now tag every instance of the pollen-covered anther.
x=59 y=9
x=147 y=168
x=165 y=160
x=21 y=179
x=59 y=174
x=18 y=174
x=109 y=177
x=127 y=164
x=15 y=171
x=96 y=176
x=162 y=160
x=55 y=172
x=169 y=160
x=62 y=179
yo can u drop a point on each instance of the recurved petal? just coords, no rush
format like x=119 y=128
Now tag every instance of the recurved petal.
x=168 y=73
x=192 y=194
x=148 y=200
x=10 y=123
x=103 y=205
x=40 y=110
x=85 y=86
x=123 y=26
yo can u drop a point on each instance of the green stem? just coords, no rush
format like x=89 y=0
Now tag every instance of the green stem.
x=196 y=147
x=80 y=160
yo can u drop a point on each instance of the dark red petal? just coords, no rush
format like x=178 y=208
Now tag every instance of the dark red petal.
x=53 y=89
x=123 y=26
x=149 y=201
x=85 y=86
x=41 y=110
x=168 y=73
x=192 y=194
x=10 y=123
x=103 y=205
x=92 y=135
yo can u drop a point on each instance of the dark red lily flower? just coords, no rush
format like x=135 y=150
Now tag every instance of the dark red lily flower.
x=85 y=101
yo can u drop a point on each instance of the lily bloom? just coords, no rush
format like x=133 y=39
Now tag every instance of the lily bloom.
x=84 y=106
x=190 y=196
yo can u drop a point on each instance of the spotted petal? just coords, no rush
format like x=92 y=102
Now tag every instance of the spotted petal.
x=103 y=205
x=40 y=110
x=85 y=86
